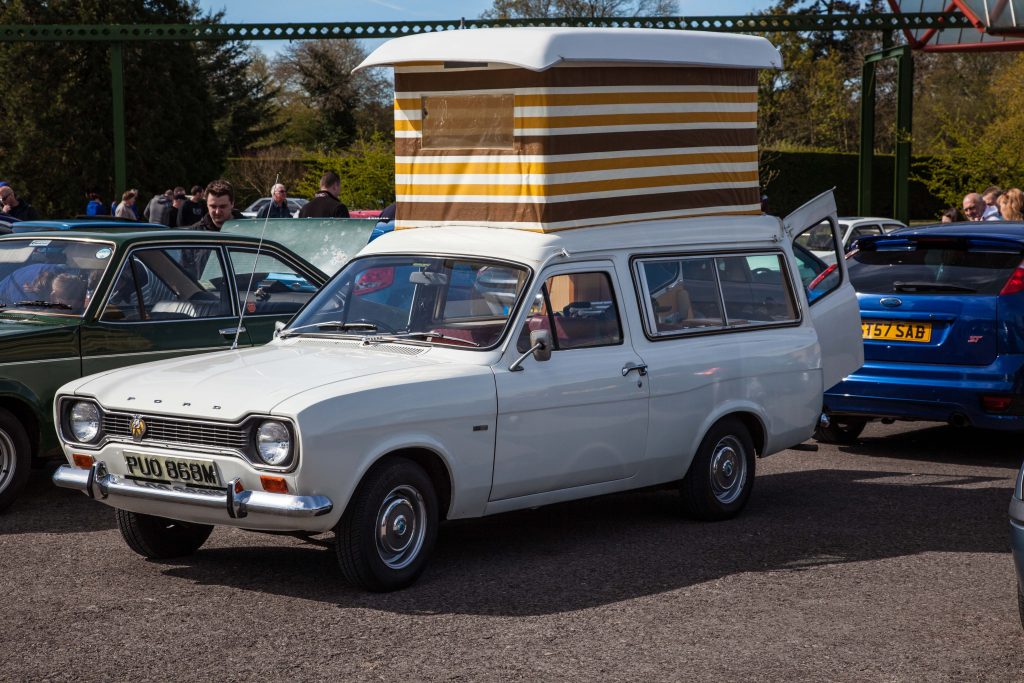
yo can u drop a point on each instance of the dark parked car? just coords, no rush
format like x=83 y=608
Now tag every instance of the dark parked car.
x=75 y=302
x=942 y=312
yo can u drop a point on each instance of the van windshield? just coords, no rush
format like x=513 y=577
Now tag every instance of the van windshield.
x=437 y=300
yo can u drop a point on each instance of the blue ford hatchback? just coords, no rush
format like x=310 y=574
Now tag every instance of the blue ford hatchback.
x=942 y=316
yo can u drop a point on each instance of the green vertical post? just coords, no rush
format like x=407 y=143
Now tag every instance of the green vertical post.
x=904 y=114
x=867 y=138
x=117 y=87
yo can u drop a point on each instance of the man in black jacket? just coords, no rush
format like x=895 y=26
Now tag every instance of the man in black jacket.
x=220 y=207
x=192 y=209
x=21 y=209
x=325 y=203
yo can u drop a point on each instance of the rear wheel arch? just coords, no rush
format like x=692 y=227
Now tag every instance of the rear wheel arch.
x=755 y=428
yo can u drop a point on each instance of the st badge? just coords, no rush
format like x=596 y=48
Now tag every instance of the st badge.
x=138 y=428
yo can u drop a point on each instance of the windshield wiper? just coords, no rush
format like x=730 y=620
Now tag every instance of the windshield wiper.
x=930 y=287
x=407 y=335
x=38 y=302
x=332 y=324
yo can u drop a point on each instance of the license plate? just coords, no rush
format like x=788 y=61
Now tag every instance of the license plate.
x=890 y=330
x=171 y=470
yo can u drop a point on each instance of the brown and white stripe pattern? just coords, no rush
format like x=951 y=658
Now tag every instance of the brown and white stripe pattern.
x=593 y=145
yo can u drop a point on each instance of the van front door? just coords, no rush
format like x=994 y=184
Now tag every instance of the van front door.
x=581 y=416
x=830 y=295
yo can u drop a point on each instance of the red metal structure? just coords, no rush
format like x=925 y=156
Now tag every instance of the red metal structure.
x=995 y=25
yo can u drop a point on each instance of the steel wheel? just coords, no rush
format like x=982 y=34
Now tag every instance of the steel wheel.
x=728 y=470
x=8 y=461
x=15 y=458
x=387 y=532
x=721 y=475
x=401 y=526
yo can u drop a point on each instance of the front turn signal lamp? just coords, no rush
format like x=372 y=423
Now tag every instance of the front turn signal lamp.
x=274 y=484
x=83 y=461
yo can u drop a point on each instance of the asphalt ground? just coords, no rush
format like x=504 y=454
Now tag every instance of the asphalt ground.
x=885 y=560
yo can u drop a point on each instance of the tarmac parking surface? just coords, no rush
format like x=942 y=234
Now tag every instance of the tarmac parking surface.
x=885 y=560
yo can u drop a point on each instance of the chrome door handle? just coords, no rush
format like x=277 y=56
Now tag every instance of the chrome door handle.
x=232 y=330
x=641 y=369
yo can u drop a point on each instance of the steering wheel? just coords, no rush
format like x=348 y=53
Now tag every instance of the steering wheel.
x=757 y=272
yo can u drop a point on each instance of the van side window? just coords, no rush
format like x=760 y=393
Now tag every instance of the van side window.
x=701 y=293
x=578 y=309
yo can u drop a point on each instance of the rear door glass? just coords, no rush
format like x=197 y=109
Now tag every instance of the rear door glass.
x=946 y=267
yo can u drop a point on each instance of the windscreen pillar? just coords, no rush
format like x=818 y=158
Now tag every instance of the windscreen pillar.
x=904 y=112
x=117 y=88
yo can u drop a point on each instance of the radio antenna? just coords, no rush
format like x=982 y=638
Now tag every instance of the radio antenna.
x=252 y=275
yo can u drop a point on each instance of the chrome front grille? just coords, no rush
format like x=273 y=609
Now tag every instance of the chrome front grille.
x=185 y=432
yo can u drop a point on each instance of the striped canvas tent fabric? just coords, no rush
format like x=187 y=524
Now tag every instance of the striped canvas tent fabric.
x=556 y=129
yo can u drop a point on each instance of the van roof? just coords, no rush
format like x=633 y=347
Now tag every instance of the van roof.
x=534 y=248
x=540 y=48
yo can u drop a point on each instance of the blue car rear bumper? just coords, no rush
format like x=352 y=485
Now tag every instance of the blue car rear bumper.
x=940 y=393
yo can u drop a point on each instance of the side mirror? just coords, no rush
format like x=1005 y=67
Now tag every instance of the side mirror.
x=278 y=326
x=540 y=340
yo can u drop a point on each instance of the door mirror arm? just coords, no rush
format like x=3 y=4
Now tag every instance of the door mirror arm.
x=540 y=349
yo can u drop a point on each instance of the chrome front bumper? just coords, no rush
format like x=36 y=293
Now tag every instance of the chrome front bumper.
x=99 y=484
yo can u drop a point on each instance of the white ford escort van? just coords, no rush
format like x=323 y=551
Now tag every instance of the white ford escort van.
x=559 y=315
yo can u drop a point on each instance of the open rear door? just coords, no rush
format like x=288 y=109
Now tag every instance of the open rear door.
x=831 y=298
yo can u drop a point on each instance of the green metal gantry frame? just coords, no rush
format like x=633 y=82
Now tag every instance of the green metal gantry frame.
x=904 y=115
x=117 y=35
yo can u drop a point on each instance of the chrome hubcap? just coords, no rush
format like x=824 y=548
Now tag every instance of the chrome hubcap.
x=8 y=461
x=728 y=470
x=401 y=526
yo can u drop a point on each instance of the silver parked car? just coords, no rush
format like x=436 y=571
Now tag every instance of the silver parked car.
x=819 y=238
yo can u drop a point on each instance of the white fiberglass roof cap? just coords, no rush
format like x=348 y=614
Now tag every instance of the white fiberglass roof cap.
x=537 y=49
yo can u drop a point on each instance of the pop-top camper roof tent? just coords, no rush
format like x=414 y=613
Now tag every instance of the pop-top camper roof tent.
x=548 y=129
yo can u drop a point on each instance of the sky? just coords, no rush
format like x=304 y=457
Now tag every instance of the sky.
x=330 y=11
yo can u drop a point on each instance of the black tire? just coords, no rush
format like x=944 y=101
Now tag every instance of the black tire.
x=158 y=538
x=841 y=430
x=15 y=458
x=396 y=496
x=721 y=476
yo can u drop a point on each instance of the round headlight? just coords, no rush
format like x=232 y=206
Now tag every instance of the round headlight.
x=273 y=443
x=85 y=421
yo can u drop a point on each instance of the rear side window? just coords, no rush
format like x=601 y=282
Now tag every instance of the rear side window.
x=908 y=267
x=701 y=293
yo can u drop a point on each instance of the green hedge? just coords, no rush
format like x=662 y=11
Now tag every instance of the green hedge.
x=794 y=177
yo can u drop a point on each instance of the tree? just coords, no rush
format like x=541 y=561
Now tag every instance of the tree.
x=318 y=83
x=57 y=111
x=538 y=9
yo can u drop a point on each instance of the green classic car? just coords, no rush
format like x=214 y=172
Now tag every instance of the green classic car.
x=78 y=302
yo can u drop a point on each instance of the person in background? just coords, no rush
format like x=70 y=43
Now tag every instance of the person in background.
x=220 y=207
x=991 y=197
x=69 y=290
x=974 y=208
x=95 y=207
x=192 y=209
x=950 y=215
x=125 y=207
x=1011 y=205
x=325 y=203
x=16 y=208
x=177 y=201
x=159 y=208
x=278 y=205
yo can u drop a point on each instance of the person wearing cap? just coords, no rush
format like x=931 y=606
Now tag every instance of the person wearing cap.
x=14 y=207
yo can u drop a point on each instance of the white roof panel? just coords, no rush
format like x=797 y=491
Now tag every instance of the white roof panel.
x=537 y=49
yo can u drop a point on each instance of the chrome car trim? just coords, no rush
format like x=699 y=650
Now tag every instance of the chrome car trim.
x=97 y=483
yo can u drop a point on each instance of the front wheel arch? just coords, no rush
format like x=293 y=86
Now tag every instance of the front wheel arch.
x=435 y=467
